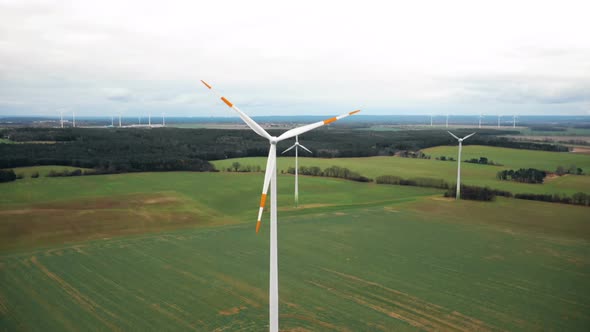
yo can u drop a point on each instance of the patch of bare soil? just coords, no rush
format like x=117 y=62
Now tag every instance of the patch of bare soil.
x=551 y=176
x=581 y=150
x=231 y=311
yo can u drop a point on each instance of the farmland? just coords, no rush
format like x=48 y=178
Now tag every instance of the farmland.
x=472 y=174
x=183 y=255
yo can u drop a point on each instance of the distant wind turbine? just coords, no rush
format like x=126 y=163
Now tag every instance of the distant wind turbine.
x=61 y=118
x=431 y=116
x=270 y=177
x=296 y=146
x=112 y=120
x=150 y=119
x=163 y=120
x=514 y=121
x=480 y=117
x=74 y=119
x=119 y=120
x=459 y=162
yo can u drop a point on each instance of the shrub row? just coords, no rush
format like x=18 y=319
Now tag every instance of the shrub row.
x=332 y=172
x=576 y=199
x=7 y=175
x=417 y=182
x=482 y=161
x=473 y=193
x=526 y=175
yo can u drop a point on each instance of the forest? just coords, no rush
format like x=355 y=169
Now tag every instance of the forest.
x=165 y=149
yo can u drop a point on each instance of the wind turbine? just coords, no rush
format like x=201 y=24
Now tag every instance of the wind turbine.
x=163 y=119
x=112 y=120
x=431 y=119
x=459 y=162
x=150 y=119
x=119 y=120
x=61 y=118
x=514 y=121
x=74 y=119
x=297 y=145
x=270 y=177
x=480 y=117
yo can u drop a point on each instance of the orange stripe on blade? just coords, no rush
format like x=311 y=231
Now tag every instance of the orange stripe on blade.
x=207 y=85
x=227 y=102
x=262 y=200
x=354 y=112
x=330 y=120
x=257 y=226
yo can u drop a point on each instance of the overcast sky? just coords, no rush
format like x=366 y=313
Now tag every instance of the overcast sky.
x=295 y=57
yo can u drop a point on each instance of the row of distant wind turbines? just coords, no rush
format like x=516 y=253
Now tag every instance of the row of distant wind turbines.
x=270 y=178
x=61 y=120
x=481 y=116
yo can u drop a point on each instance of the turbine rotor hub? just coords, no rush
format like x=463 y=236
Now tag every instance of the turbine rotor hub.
x=273 y=140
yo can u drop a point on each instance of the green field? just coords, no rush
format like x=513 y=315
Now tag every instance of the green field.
x=472 y=174
x=178 y=251
x=515 y=158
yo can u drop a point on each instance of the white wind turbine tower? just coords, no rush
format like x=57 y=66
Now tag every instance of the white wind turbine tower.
x=163 y=119
x=458 y=196
x=112 y=120
x=296 y=146
x=61 y=118
x=431 y=116
x=480 y=117
x=74 y=119
x=119 y=120
x=270 y=177
x=150 y=119
x=514 y=121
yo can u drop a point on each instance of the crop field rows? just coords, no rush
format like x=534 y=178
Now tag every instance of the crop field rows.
x=361 y=257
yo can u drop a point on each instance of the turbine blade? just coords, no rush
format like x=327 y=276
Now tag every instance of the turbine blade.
x=303 y=129
x=466 y=137
x=270 y=166
x=304 y=148
x=292 y=146
x=251 y=123
x=453 y=135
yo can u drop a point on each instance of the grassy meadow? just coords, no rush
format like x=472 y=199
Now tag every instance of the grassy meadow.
x=472 y=174
x=178 y=251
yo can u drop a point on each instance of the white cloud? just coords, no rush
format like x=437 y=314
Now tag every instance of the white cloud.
x=285 y=58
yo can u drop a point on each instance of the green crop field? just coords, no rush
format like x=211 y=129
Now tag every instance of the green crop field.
x=109 y=205
x=515 y=158
x=178 y=251
x=472 y=174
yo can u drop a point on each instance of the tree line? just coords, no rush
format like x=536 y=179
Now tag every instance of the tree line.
x=136 y=149
x=331 y=172
x=524 y=175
